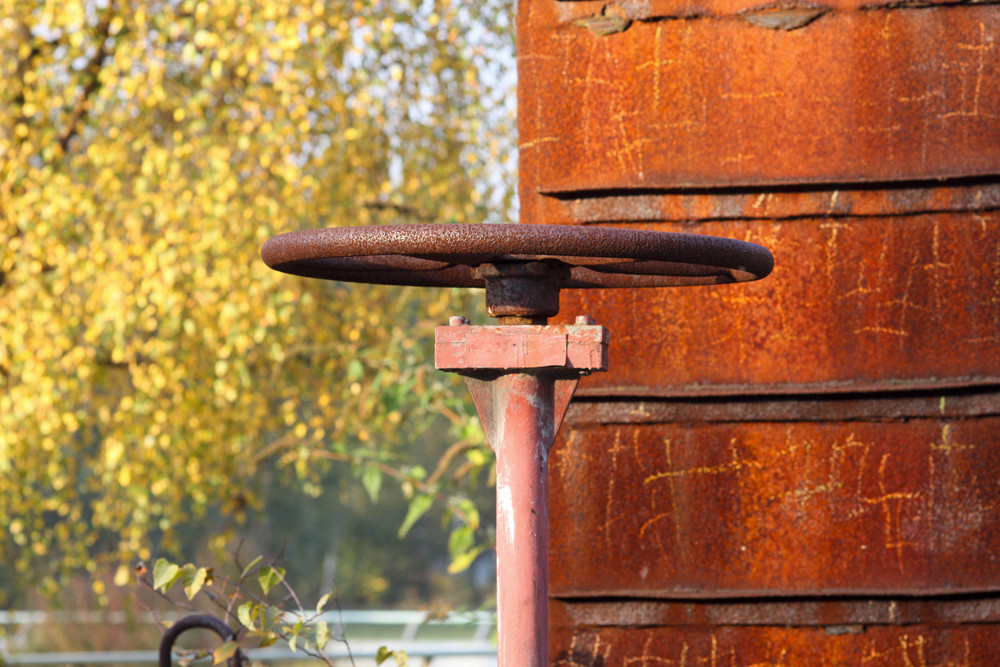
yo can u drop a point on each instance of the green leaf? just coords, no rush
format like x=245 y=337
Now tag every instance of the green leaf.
x=461 y=540
x=193 y=579
x=245 y=614
x=418 y=507
x=224 y=652
x=462 y=561
x=268 y=616
x=249 y=567
x=402 y=659
x=269 y=577
x=371 y=479
x=469 y=512
x=165 y=574
x=322 y=635
x=355 y=369
x=476 y=457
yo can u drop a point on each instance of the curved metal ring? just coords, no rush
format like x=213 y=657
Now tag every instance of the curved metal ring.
x=443 y=255
x=205 y=621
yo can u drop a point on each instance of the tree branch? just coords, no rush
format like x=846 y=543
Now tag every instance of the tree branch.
x=93 y=68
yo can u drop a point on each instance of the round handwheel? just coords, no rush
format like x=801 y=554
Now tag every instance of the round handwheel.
x=522 y=267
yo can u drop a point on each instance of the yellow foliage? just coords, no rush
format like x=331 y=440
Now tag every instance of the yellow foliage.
x=150 y=364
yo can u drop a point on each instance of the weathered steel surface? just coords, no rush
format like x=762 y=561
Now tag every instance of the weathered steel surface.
x=469 y=255
x=827 y=612
x=772 y=203
x=888 y=303
x=721 y=101
x=919 y=645
x=645 y=10
x=772 y=508
x=799 y=471
x=890 y=406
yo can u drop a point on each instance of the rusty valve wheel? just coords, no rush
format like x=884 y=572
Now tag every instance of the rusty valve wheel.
x=522 y=267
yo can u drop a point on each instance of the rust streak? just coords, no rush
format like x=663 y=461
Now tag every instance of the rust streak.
x=948 y=445
x=609 y=499
x=736 y=464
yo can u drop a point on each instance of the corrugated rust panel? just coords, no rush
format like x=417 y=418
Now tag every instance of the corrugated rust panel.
x=800 y=471
x=775 y=203
x=709 y=510
x=896 y=406
x=854 y=304
x=918 y=645
x=830 y=612
x=853 y=97
x=643 y=10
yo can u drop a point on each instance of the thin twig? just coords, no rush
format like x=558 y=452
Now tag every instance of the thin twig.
x=446 y=459
x=340 y=621
x=382 y=467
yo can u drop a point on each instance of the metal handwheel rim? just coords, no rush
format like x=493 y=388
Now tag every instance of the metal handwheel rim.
x=447 y=255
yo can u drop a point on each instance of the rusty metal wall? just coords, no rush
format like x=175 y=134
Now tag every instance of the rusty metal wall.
x=700 y=95
x=800 y=471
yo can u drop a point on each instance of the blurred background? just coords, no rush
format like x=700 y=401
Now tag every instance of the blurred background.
x=164 y=394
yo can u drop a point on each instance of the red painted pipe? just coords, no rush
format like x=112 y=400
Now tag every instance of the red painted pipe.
x=525 y=404
x=521 y=378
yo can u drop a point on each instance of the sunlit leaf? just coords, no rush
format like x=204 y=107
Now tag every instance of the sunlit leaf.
x=371 y=478
x=322 y=634
x=269 y=577
x=224 y=653
x=165 y=574
x=194 y=579
x=294 y=631
x=461 y=539
x=418 y=507
x=464 y=560
x=245 y=615
x=249 y=568
x=384 y=653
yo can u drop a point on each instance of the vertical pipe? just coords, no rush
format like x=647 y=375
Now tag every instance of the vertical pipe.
x=522 y=378
x=523 y=434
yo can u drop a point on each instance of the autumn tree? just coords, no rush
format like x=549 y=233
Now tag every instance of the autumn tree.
x=150 y=365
